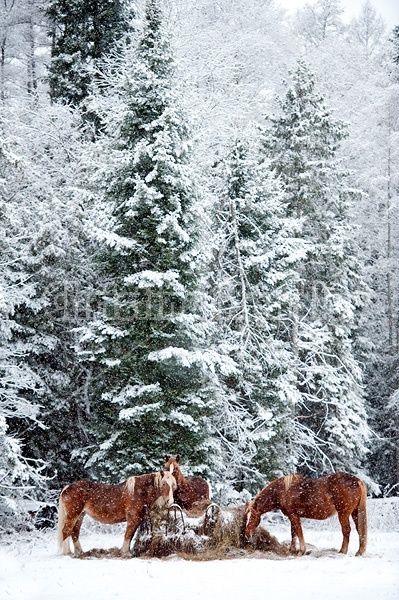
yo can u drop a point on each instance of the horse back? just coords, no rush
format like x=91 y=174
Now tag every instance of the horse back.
x=77 y=492
x=323 y=497
x=194 y=489
x=103 y=502
x=308 y=498
x=346 y=490
x=200 y=486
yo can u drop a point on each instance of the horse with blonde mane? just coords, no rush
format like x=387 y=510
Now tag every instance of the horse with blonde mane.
x=190 y=490
x=320 y=499
x=107 y=503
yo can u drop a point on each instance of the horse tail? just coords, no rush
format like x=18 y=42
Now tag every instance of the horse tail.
x=362 y=518
x=61 y=523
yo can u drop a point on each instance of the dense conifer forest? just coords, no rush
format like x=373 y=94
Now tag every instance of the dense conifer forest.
x=199 y=243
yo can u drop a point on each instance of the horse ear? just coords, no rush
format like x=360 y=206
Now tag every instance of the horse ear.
x=166 y=457
x=178 y=458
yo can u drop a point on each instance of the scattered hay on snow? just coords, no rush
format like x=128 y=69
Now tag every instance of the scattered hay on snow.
x=102 y=553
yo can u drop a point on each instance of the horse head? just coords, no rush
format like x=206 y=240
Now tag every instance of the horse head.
x=173 y=466
x=166 y=485
x=252 y=520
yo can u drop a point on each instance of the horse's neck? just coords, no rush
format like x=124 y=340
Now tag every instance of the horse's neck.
x=180 y=479
x=265 y=501
x=177 y=474
x=146 y=488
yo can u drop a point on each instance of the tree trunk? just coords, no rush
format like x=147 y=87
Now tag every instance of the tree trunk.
x=31 y=66
x=244 y=303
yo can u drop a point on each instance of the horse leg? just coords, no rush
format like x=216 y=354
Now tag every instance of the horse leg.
x=359 y=516
x=346 y=530
x=67 y=531
x=297 y=532
x=132 y=522
x=293 y=539
x=75 y=535
x=63 y=542
x=360 y=528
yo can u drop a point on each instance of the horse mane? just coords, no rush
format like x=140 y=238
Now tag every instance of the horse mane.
x=157 y=479
x=288 y=479
x=130 y=484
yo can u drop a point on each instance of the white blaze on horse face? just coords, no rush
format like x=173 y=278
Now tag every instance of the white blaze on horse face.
x=172 y=486
x=248 y=535
x=248 y=516
x=166 y=479
x=252 y=522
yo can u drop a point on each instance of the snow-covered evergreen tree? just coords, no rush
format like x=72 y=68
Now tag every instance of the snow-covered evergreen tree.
x=381 y=248
x=148 y=339
x=253 y=284
x=82 y=32
x=44 y=201
x=331 y=428
x=20 y=387
x=58 y=263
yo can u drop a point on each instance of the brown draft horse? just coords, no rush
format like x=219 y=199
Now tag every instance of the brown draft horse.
x=190 y=490
x=298 y=497
x=111 y=504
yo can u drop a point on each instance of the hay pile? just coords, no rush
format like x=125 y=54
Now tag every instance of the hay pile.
x=201 y=535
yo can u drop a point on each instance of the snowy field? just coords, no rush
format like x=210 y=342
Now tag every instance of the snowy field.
x=31 y=569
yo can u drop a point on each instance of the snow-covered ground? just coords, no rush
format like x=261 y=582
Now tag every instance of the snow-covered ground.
x=31 y=569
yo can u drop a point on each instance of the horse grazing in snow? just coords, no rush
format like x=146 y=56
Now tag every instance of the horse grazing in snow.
x=111 y=504
x=190 y=490
x=298 y=497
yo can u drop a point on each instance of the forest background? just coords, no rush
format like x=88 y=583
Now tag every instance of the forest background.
x=199 y=243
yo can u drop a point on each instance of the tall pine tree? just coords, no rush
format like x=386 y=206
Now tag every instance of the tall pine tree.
x=330 y=418
x=148 y=341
